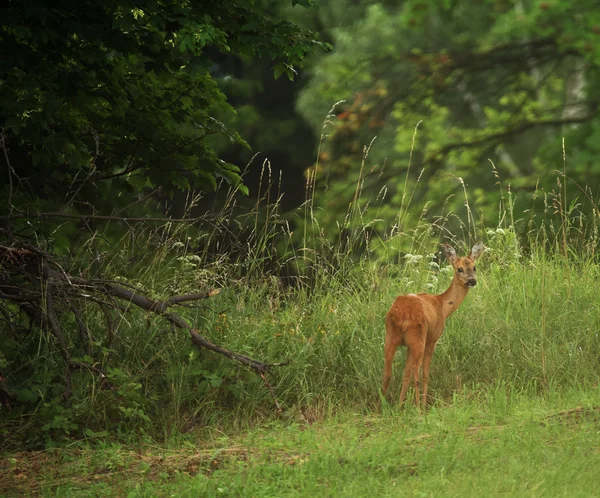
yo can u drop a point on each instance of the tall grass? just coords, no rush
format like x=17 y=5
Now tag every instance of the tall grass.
x=293 y=292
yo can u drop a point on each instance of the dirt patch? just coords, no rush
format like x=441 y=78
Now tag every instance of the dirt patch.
x=27 y=473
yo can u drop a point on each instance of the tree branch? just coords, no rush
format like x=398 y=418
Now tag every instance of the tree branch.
x=54 y=324
x=57 y=214
x=514 y=130
x=71 y=287
x=159 y=308
x=192 y=297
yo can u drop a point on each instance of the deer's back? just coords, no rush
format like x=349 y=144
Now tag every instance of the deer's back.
x=416 y=309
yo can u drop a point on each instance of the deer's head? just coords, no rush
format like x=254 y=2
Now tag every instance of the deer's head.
x=464 y=268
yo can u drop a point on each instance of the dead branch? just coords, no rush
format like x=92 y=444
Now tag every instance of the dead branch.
x=90 y=172
x=8 y=319
x=103 y=302
x=58 y=214
x=192 y=297
x=77 y=365
x=43 y=272
x=160 y=308
x=56 y=331
x=271 y=390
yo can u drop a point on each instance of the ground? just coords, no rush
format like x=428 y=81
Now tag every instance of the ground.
x=499 y=445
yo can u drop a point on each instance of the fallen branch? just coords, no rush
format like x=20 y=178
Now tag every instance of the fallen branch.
x=160 y=307
x=39 y=266
x=192 y=297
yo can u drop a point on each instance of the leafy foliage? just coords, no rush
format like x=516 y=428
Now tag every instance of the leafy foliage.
x=266 y=116
x=104 y=99
x=498 y=81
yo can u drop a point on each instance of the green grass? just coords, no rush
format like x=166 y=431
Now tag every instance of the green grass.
x=531 y=324
x=493 y=442
x=514 y=384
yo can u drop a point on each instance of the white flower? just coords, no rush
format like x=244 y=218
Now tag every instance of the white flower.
x=413 y=259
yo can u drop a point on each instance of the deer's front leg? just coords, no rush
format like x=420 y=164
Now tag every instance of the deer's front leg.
x=428 y=356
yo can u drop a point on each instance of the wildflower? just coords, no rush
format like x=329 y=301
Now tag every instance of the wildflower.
x=413 y=259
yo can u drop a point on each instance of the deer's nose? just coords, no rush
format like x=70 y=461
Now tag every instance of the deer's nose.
x=471 y=282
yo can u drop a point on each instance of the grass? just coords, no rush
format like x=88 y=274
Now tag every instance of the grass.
x=531 y=324
x=514 y=381
x=499 y=443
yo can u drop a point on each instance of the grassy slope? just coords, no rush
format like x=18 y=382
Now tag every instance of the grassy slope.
x=499 y=444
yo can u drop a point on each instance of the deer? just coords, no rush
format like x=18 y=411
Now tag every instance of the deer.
x=417 y=321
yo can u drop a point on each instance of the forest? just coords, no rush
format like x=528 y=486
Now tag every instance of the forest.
x=208 y=208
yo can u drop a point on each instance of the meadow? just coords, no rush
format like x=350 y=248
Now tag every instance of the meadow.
x=514 y=405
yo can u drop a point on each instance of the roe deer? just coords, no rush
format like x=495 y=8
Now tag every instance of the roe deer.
x=417 y=322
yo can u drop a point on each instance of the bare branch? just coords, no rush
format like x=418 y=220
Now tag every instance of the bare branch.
x=91 y=368
x=192 y=297
x=54 y=323
x=58 y=335
x=199 y=340
x=140 y=200
x=271 y=390
x=26 y=257
x=58 y=214
x=110 y=325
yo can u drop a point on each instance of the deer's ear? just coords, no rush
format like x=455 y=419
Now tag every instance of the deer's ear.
x=449 y=252
x=476 y=251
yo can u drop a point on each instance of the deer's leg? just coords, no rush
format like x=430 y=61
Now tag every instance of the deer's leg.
x=417 y=373
x=429 y=349
x=415 y=342
x=389 y=352
x=391 y=345
x=408 y=368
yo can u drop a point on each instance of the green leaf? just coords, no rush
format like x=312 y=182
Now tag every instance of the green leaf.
x=85 y=103
x=279 y=69
x=25 y=396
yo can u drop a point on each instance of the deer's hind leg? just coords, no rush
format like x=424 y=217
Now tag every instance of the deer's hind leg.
x=391 y=345
x=392 y=341
x=415 y=342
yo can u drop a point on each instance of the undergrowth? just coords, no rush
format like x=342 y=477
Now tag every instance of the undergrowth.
x=531 y=325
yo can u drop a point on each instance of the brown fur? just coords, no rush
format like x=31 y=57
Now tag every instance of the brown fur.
x=417 y=322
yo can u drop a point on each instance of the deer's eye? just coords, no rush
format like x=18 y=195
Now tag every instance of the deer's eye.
x=460 y=270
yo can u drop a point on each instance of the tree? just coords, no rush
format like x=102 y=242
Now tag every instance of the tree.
x=495 y=80
x=101 y=99
x=266 y=117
